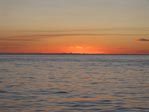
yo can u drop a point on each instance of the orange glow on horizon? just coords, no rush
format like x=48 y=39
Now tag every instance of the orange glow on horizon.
x=83 y=50
x=76 y=49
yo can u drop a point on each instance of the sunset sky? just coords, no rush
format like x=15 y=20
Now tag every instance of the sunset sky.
x=74 y=26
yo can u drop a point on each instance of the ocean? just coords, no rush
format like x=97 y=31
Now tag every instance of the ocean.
x=74 y=83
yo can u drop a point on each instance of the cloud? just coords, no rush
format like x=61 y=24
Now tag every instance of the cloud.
x=143 y=40
x=30 y=37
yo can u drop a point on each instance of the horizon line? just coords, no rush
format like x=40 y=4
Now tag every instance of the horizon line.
x=21 y=53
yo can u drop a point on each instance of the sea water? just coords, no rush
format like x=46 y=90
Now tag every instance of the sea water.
x=74 y=83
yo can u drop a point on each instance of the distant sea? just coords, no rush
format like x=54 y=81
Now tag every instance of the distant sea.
x=74 y=83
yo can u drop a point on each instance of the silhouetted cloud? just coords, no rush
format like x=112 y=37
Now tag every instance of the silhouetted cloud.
x=143 y=40
x=38 y=36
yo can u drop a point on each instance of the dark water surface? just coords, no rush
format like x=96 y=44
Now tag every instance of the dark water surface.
x=74 y=83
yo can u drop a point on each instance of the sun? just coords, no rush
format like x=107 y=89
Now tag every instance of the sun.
x=83 y=49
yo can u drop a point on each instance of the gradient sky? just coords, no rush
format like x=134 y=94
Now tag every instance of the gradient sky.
x=74 y=26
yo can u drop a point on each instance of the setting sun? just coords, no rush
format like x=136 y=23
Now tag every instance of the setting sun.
x=83 y=50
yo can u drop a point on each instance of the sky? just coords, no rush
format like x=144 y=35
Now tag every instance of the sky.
x=74 y=26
